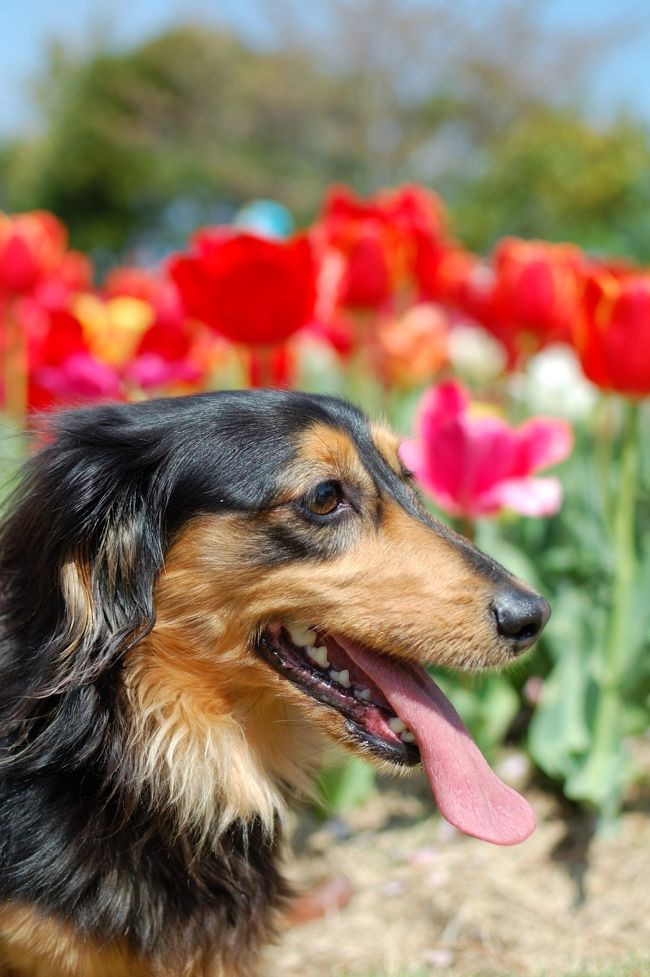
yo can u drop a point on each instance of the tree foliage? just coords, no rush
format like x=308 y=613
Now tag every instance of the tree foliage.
x=192 y=120
x=139 y=146
x=553 y=175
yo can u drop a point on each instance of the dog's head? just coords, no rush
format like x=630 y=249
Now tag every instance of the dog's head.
x=234 y=572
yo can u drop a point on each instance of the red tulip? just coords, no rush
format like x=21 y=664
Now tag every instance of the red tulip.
x=32 y=245
x=252 y=290
x=37 y=276
x=381 y=241
x=527 y=295
x=478 y=465
x=612 y=334
x=166 y=353
x=459 y=280
x=535 y=296
x=63 y=371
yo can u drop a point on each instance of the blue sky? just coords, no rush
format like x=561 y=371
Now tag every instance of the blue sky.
x=27 y=25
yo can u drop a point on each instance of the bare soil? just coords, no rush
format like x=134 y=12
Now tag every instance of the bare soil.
x=428 y=900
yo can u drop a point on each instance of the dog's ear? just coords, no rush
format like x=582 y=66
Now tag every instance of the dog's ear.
x=79 y=556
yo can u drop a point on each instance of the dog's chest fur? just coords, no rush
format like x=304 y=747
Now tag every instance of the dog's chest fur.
x=100 y=900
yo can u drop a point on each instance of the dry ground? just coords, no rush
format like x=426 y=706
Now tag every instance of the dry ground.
x=429 y=901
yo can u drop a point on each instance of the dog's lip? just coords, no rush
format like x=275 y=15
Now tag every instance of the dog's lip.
x=367 y=720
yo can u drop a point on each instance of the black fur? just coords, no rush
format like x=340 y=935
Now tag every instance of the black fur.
x=110 y=489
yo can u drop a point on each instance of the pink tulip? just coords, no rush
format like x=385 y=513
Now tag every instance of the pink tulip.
x=478 y=465
x=78 y=378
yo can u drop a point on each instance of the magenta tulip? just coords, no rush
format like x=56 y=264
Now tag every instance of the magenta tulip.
x=477 y=465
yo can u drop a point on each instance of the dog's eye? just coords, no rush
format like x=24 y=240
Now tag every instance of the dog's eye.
x=324 y=498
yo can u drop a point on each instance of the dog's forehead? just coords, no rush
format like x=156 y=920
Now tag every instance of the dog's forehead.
x=387 y=444
x=348 y=452
x=322 y=445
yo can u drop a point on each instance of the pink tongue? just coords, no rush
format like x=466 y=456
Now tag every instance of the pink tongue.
x=468 y=793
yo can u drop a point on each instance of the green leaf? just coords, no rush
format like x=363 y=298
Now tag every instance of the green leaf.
x=559 y=731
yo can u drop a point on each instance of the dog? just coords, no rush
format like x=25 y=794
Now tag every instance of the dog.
x=195 y=592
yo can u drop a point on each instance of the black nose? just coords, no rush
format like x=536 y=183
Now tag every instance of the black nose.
x=520 y=617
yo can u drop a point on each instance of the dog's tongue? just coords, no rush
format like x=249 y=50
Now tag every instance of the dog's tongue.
x=467 y=791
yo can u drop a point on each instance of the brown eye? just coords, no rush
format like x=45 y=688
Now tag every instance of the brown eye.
x=324 y=498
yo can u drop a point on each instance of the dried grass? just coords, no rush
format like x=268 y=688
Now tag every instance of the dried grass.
x=429 y=901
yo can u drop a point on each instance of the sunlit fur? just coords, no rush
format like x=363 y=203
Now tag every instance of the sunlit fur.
x=148 y=752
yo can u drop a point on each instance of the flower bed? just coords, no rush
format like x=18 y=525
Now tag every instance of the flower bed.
x=377 y=301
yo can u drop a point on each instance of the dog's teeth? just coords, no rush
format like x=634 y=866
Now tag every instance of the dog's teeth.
x=343 y=678
x=407 y=736
x=396 y=725
x=362 y=694
x=301 y=636
x=319 y=655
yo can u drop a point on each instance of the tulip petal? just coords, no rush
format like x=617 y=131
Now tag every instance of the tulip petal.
x=527 y=496
x=475 y=466
x=543 y=442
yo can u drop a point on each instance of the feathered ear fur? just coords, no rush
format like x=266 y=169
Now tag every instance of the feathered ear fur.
x=79 y=555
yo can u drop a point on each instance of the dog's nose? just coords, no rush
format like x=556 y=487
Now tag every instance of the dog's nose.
x=520 y=617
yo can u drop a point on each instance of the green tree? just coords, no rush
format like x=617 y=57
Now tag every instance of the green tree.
x=480 y=102
x=181 y=129
x=554 y=175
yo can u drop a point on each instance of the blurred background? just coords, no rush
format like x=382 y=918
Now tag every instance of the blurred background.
x=484 y=284
x=136 y=121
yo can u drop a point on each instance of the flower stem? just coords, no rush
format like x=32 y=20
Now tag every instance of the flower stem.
x=608 y=729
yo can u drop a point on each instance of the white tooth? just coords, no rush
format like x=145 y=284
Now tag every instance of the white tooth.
x=407 y=736
x=396 y=725
x=362 y=694
x=343 y=678
x=319 y=655
x=301 y=636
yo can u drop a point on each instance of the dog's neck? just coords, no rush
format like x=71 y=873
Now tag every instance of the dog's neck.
x=212 y=746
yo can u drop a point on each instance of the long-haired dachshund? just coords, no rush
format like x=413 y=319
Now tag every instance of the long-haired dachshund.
x=193 y=592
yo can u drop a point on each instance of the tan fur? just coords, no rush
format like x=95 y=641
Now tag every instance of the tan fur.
x=76 y=589
x=34 y=945
x=387 y=444
x=40 y=946
x=211 y=727
x=214 y=726
x=209 y=722
x=324 y=453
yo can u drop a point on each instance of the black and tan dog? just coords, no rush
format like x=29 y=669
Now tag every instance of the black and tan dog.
x=193 y=592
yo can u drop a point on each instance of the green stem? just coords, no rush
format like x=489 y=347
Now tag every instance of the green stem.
x=608 y=730
x=603 y=455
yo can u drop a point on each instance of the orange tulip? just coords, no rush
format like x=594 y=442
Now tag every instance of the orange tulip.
x=414 y=347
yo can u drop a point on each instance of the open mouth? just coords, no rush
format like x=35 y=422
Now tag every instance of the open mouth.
x=321 y=668
x=394 y=708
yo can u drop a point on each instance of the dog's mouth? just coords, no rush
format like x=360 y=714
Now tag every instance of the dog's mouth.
x=394 y=709
x=321 y=668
